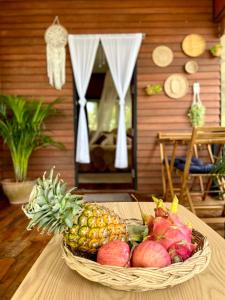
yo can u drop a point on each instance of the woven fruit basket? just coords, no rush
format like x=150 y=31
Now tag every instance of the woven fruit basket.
x=132 y=255
x=142 y=279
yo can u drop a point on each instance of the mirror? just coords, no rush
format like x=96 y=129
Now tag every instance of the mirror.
x=102 y=111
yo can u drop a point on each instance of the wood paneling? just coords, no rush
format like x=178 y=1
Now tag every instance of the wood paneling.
x=23 y=69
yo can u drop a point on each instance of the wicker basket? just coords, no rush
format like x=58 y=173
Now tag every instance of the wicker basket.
x=142 y=279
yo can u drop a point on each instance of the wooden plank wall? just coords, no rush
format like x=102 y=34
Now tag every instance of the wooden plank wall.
x=23 y=68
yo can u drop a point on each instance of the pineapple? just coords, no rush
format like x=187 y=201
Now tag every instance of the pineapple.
x=85 y=226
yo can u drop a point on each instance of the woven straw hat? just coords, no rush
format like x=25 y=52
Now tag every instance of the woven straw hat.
x=191 y=67
x=193 y=45
x=162 y=56
x=176 y=86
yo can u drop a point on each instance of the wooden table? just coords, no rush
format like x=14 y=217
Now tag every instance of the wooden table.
x=50 y=278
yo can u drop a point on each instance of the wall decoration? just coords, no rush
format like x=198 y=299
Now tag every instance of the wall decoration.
x=153 y=89
x=162 y=56
x=196 y=113
x=216 y=50
x=193 y=45
x=176 y=86
x=56 y=39
x=191 y=67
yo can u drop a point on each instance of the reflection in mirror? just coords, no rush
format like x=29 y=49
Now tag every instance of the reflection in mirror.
x=102 y=111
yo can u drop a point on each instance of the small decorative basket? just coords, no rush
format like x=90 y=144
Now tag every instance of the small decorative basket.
x=142 y=279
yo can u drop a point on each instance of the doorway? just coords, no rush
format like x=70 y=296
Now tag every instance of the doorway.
x=102 y=110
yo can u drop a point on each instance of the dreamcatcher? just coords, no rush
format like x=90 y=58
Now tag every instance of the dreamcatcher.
x=56 y=39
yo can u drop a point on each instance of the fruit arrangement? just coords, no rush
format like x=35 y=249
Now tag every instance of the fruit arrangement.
x=163 y=240
x=122 y=254
x=97 y=233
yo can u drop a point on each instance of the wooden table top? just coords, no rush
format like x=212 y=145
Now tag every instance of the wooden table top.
x=171 y=137
x=51 y=278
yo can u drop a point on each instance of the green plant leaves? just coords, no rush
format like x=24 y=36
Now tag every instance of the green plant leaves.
x=219 y=167
x=137 y=232
x=22 y=129
x=196 y=114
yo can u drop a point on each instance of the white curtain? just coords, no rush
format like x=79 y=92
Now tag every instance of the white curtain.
x=108 y=102
x=105 y=109
x=121 y=53
x=83 y=50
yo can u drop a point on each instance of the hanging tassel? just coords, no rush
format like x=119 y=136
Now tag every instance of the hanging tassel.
x=56 y=66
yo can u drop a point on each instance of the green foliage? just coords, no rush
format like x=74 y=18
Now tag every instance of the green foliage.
x=51 y=208
x=153 y=89
x=21 y=126
x=219 y=167
x=216 y=49
x=196 y=115
x=137 y=233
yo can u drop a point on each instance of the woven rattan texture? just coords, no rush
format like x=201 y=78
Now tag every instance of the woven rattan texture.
x=142 y=279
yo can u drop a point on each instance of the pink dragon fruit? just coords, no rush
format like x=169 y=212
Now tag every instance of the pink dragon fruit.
x=181 y=251
x=172 y=235
x=160 y=210
x=185 y=229
x=160 y=226
x=168 y=229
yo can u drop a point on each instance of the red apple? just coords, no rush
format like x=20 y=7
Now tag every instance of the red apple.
x=150 y=254
x=114 y=253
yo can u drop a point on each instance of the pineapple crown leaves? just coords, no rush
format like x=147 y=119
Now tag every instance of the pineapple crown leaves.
x=51 y=207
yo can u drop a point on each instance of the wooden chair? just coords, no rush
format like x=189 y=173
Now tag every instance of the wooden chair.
x=204 y=138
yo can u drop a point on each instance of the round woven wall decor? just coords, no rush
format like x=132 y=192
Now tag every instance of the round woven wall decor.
x=193 y=45
x=191 y=67
x=162 y=56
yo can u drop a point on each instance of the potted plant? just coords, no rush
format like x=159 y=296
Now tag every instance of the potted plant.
x=21 y=127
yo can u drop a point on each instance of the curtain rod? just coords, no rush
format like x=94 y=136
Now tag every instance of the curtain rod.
x=143 y=34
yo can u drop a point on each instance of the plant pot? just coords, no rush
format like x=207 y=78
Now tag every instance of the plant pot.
x=17 y=192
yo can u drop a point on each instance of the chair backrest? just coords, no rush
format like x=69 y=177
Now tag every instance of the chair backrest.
x=201 y=136
x=209 y=135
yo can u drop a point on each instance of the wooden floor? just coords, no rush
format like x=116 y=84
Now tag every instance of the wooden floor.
x=20 y=248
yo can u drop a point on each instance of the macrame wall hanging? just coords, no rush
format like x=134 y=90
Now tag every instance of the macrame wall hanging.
x=196 y=112
x=56 y=37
